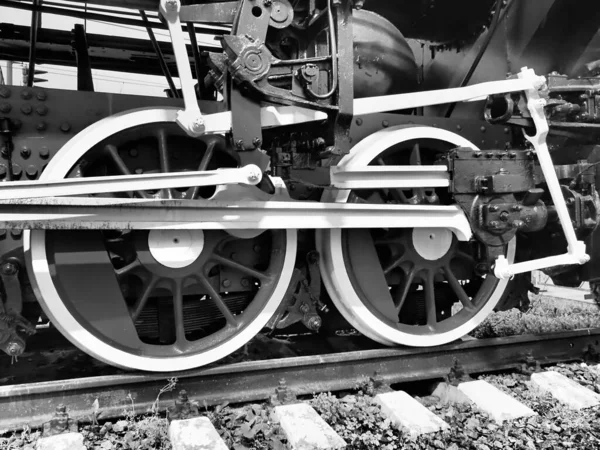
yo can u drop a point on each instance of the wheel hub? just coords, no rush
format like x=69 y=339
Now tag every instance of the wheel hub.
x=176 y=248
x=432 y=243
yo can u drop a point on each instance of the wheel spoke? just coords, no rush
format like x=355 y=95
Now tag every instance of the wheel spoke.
x=163 y=155
x=402 y=294
x=394 y=264
x=237 y=266
x=430 y=307
x=218 y=301
x=415 y=155
x=113 y=152
x=208 y=154
x=128 y=268
x=178 y=310
x=141 y=302
x=458 y=289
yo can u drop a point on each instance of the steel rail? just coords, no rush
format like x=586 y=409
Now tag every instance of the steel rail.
x=34 y=403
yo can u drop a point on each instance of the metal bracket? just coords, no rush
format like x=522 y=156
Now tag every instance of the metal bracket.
x=283 y=395
x=457 y=374
x=60 y=423
x=576 y=250
x=183 y=408
x=190 y=119
x=529 y=365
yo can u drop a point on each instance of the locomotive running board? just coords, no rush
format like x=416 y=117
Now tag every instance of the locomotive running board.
x=122 y=214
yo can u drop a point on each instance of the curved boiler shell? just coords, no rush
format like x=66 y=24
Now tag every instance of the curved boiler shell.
x=384 y=64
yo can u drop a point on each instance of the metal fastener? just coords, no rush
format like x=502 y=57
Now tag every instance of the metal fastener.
x=44 y=153
x=359 y=122
x=26 y=109
x=41 y=126
x=42 y=110
x=31 y=172
x=25 y=152
x=385 y=124
x=26 y=94
x=4 y=92
x=65 y=126
x=41 y=96
x=257 y=142
x=5 y=108
x=226 y=283
x=16 y=170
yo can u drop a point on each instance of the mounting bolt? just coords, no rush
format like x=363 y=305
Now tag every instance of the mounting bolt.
x=482 y=129
x=31 y=172
x=267 y=3
x=25 y=152
x=504 y=216
x=41 y=126
x=15 y=348
x=226 y=283
x=16 y=233
x=4 y=92
x=5 y=108
x=239 y=144
x=42 y=110
x=489 y=155
x=254 y=176
x=16 y=170
x=41 y=96
x=65 y=126
x=359 y=122
x=314 y=323
x=257 y=142
x=44 y=153
x=26 y=94
x=8 y=268
x=26 y=109
x=493 y=208
x=477 y=154
x=385 y=124
x=245 y=282
x=198 y=125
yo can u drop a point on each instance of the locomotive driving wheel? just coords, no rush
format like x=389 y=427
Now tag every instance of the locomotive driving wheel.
x=416 y=287
x=161 y=299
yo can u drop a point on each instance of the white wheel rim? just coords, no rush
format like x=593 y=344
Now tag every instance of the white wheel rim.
x=333 y=267
x=43 y=285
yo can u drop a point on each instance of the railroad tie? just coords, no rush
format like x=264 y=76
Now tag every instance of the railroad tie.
x=495 y=403
x=305 y=429
x=195 y=434
x=407 y=413
x=65 y=441
x=566 y=391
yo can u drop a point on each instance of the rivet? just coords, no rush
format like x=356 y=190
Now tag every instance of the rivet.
x=435 y=125
x=489 y=155
x=226 y=283
x=359 y=122
x=506 y=131
x=245 y=282
x=16 y=233
x=44 y=153
x=5 y=108
x=483 y=142
x=133 y=152
x=139 y=171
x=31 y=172
x=41 y=96
x=458 y=127
x=482 y=129
x=25 y=152
x=4 y=92
x=385 y=124
x=26 y=109
x=26 y=94
x=41 y=126
x=42 y=110
x=65 y=126
x=477 y=154
x=16 y=170
x=257 y=248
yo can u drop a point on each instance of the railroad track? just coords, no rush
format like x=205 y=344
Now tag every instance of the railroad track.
x=32 y=404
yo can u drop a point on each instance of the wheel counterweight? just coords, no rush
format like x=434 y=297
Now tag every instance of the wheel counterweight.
x=160 y=300
x=416 y=287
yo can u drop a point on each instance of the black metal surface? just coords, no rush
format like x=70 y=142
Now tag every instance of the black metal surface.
x=85 y=81
x=33 y=31
x=33 y=404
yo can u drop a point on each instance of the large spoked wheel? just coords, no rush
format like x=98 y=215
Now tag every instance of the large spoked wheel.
x=416 y=287
x=159 y=300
